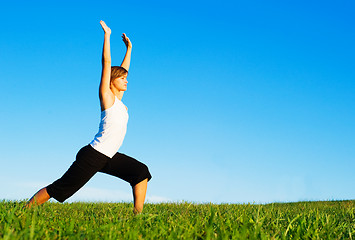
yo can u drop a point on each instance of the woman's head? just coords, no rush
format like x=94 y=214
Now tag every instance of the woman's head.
x=119 y=78
x=117 y=71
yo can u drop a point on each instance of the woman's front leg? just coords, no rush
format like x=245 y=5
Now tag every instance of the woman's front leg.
x=139 y=192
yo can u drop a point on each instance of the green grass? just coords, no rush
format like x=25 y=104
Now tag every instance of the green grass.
x=301 y=220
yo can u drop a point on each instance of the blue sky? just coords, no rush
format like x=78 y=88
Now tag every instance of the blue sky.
x=229 y=101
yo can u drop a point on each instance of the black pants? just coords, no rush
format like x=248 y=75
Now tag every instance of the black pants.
x=88 y=162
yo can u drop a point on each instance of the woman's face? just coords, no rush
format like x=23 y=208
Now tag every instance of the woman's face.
x=120 y=83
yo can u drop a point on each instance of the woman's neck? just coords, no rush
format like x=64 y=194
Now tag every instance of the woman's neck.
x=117 y=93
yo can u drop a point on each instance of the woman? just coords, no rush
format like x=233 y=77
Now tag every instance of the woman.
x=101 y=154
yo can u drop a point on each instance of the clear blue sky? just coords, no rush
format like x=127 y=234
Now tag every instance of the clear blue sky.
x=229 y=101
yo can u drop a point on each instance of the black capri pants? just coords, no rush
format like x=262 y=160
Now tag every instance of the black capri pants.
x=88 y=162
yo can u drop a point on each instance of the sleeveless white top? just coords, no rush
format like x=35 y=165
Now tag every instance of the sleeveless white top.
x=112 y=129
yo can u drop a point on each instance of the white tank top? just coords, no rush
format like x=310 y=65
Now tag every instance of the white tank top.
x=112 y=129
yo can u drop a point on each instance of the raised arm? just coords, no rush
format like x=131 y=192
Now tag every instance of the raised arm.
x=127 y=58
x=105 y=94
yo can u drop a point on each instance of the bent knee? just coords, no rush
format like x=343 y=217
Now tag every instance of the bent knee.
x=142 y=174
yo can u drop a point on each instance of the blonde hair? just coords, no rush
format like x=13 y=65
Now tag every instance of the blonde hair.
x=117 y=71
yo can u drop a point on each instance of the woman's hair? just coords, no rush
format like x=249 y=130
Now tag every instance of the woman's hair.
x=117 y=71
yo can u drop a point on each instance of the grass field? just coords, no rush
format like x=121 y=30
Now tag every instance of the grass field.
x=301 y=220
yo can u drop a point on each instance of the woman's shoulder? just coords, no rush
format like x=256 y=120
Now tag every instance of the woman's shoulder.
x=120 y=101
x=107 y=100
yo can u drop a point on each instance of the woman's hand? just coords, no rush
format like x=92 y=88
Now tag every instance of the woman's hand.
x=106 y=29
x=126 y=41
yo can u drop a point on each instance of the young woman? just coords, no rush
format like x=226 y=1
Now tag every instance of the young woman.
x=101 y=154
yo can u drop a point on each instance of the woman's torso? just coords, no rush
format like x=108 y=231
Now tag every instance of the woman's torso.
x=112 y=129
